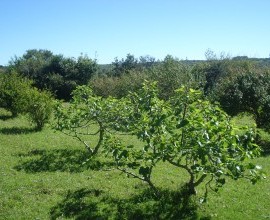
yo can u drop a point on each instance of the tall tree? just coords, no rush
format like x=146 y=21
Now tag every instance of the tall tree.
x=57 y=73
x=124 y=65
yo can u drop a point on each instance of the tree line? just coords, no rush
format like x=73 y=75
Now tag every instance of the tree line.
x=239 y=84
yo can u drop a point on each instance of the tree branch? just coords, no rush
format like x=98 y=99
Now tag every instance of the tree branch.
x=200 y=180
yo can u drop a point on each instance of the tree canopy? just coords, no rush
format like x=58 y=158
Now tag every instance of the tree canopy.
x=57 y=73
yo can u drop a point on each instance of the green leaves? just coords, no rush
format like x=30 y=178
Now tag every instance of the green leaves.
x=247 y=91
x=183 y=123
x=187 y=131
x=59 y=74
x=18 y=96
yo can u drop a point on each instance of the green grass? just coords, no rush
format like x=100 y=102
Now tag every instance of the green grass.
x=46 y=175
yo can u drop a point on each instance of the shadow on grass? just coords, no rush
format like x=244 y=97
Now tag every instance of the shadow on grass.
x=6 y=117
x=265 y=146
x=64 y=160
x=17 y=130
x=95 y=204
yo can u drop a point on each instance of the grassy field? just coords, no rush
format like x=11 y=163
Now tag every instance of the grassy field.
x=47 y=175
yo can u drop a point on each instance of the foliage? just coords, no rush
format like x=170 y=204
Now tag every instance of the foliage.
x=128 y=75
x=122 y=76
x=207 y=144
x=130 y=63
x=246 y=92
x=31 y=65
x=170 y=75
x=2 y=69
x=215 y=71
x=122 y=66
x=188 y=132
x=118 y=86
x=146 y=121
x=12 y=89
x=262 y=138
x=19 y=97
x=86 y=111
x=38 y=107
x=239 y=84
x=55 y=72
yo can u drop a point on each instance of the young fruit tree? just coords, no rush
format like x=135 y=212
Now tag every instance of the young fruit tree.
x=188 y=132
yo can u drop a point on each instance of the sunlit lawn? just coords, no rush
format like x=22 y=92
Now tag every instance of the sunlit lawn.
x=47 y=175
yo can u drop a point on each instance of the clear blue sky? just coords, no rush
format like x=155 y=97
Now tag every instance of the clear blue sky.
x=112 y=28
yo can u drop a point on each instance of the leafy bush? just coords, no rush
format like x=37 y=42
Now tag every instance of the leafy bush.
x=38 y=107
x=130 y=64
x=214 y=72
x=12 y=90
x=18 y=96
x=56 y=73
x=239 y=85
x=118 y=86
x=170 y=75
x=246 y=92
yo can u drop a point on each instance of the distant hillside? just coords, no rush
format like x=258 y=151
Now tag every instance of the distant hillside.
x=259 y=61
x=262 y=61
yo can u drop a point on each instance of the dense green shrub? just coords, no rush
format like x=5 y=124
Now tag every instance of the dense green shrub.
x=170 y=74
x=12 y=92
x=118 y=86
x=123 y=66
x=246 y=92
x=56 y=73
x=38 y=107
x=18 y=96
x=213 y=72
x=130 y=63
x=239 y=84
